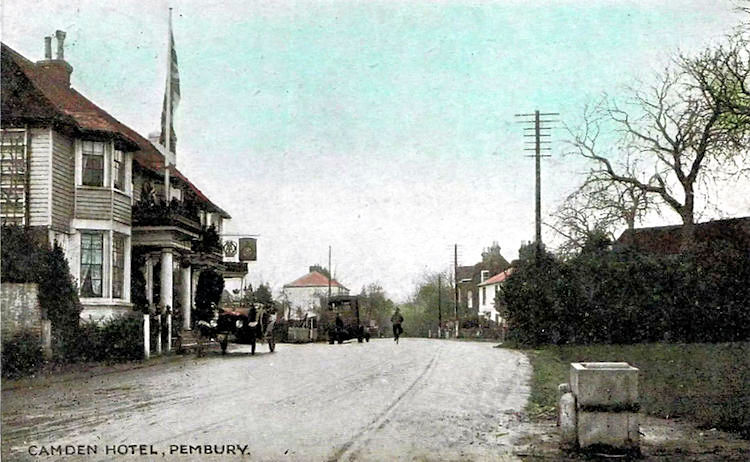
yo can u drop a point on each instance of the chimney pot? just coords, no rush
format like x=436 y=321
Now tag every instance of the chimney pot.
x=60 y=41
x=48 y=47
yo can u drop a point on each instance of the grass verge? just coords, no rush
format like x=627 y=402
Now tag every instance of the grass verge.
x=706 y=383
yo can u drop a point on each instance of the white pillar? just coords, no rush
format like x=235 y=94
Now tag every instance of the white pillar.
x=166 y=291
x=149 y=275
x=146 y=336
x=158 y=337
x=186 y=296
x=47 y=338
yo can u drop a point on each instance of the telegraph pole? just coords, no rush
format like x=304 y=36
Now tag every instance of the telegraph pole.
x=535 y=118
x=440 y=305
x=455 y=281
x=329 y=273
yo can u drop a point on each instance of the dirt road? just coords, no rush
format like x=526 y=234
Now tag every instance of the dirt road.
x=419 y=400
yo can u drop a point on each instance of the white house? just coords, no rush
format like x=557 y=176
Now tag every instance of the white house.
x=304 y=294
x=487 y=289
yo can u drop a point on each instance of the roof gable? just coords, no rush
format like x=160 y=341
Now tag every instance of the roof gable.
x=498 y=278
x=49 y=99
x=314 y=279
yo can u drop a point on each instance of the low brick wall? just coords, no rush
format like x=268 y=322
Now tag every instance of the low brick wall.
x=19 y=308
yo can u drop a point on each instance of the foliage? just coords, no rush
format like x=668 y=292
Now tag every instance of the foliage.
x=321 y=270
x=375 y=305
x=138 y=283
x=263 y=296
x=704 y=382
x=58 y=296
x=21 y=254
x=622 y=296
x=21 y=355
x=117 y=339
x=25 y=259
x=149 y=212
x=421 y=312
x=678 y=136
x=208 y=294
x=209 y=241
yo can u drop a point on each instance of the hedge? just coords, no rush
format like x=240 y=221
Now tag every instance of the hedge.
x=622 y=296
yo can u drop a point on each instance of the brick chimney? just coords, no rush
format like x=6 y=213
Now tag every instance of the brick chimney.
x=56 y=69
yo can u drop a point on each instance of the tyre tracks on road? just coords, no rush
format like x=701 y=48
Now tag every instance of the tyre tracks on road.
x=350 y=450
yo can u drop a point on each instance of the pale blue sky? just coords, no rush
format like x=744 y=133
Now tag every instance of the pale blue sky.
x=384 y=129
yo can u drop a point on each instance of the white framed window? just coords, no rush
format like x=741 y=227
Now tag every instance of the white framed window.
x=92 y=264
x=119 y=170
x=484 y=295
x=13 y=177
x=118 y=265
x=92 y=165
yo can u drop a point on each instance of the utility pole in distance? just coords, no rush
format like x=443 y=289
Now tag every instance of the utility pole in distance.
x=455 y=281
x=440 y=305
x=535 y=118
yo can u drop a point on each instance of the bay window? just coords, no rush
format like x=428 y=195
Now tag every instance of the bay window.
x=92 y=251
x=118 y=265
x=93 y=163
x=118 y=170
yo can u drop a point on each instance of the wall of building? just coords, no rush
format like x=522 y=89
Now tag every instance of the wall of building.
x=308 y=298
x=19 y=309
x=40 y=142
x=63 y=182
x=487 y=305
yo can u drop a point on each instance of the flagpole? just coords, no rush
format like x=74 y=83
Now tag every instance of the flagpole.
x=168 y=125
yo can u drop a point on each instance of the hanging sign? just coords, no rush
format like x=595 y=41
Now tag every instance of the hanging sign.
x=248 y=249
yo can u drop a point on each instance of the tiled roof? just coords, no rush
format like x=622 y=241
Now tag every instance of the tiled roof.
x=668 y=239
x=57 y=100
x=313 y=279
x=69 y=105
x=500 y=277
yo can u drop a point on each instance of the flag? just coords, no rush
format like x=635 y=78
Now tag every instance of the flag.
x=173 y=91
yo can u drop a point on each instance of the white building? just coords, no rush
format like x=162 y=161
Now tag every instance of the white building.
x=487 y=289
x=304 y=293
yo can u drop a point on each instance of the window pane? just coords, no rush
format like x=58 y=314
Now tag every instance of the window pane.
x=92 y=244
x=93 y=170
x=118 y=265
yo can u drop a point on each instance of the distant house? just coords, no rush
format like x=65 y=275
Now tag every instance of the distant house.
x=667 y=239
x=470 y=277
x=304 y=293
x=487 y=290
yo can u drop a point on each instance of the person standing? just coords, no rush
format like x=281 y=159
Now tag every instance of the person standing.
x=396 y=320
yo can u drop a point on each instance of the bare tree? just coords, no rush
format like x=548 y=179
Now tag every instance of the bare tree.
x=677 y=128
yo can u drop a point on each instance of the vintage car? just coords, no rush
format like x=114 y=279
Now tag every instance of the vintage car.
x=350 y=325
x=247 y=325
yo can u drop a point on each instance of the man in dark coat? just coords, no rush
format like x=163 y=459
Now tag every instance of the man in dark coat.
x=397 y=319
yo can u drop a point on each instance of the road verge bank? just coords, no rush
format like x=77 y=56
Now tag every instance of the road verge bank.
x=690 y=395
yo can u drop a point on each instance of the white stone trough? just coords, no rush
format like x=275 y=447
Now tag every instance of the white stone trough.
x=599 y=408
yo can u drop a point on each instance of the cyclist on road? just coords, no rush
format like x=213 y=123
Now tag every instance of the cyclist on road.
x=397 y=319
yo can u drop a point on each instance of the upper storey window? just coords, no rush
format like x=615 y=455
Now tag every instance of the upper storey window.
x=118 y=170
x=93 y=163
